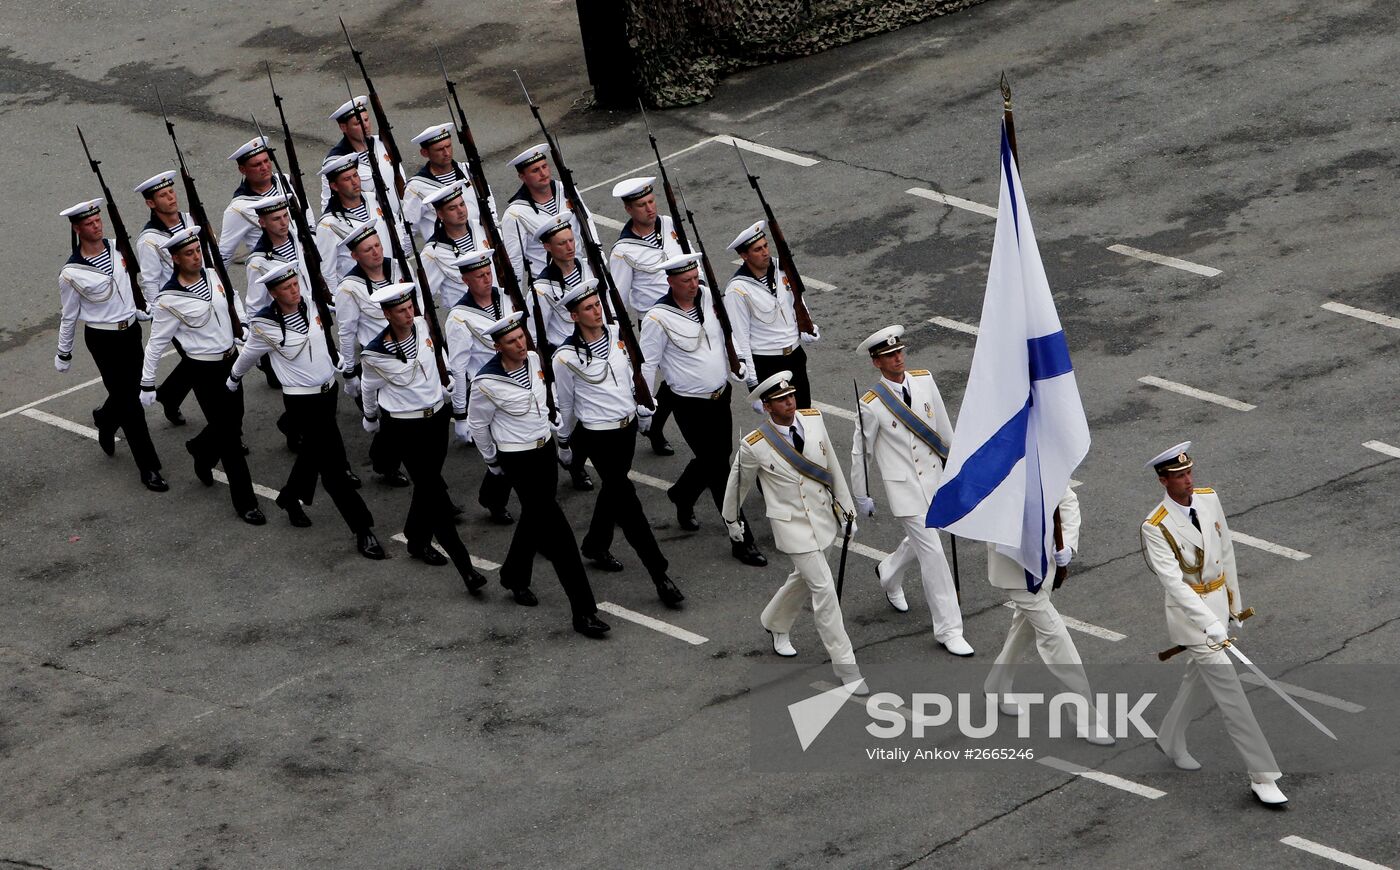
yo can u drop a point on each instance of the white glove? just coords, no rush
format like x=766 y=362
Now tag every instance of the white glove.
x=495 y=469
x=1063 y=556
x=566 y=455
x=351 y=386
x=865 y=505
x=644 y=415
x=1215 y=633
x=813 y=337
x=451 y=383
x=464 y=432
x=148 y=397
x=736 y=532
x=855 y=527
x=231 y=384
x=142 y=315
x=242 y=338
x=62 y=364
x=370 y=426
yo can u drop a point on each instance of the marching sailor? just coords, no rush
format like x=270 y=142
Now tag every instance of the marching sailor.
x=510 y=424
x=194 y=307
x=904 y=428
x=358 y=142
x=451 y=238
x=240 y=226
x=289 y=332
x=682 y=344
x=539 y=200
x=350 y=206
x=563 y=272
x=762 y=312
x=154 y=260
x=808 y=507
x=442 y=170
x=94 y=287
x=1186 y=542
x=403 y=393
x=598 y=412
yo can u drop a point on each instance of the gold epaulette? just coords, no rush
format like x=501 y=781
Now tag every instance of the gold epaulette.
x=868 y=397
x=809 y=412
x=1205 y=490
x=754 y=437
x=1157 y=516
x=918 y=372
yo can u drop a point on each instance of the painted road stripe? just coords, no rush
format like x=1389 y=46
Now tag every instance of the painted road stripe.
x=73 y=389
x=258 y=488
x=1173 y=386
x=1117 y=782
x=648 y=480
x=1382 y=447
x=835 y=410
x=1163 y=260
x=955 y=325
x=954 y=201
x=1268 y=546
x=607 y=221
x=1083 y=627
x=1363 y=314
x=768 y=151
x=66 y=425
x=482 y=564
x=642 y=619
x=1337 y=855
x=869 y=552
x=813 y=282
x=1306 y=694
x=633 y=171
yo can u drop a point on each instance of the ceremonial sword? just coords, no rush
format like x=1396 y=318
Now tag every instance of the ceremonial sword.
x=1244 y=660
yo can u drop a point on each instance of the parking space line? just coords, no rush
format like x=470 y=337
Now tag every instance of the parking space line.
x=868 y=552
x=1268 y=546
x=1164 y=260
x=767 y=151
x=1337 y=855
x=480 y=563
x=813 y=282
x=1193 y=392
x=265 y=492
x=835 y=410
x=73 y=389
x=64 y=424
x=955 y=325
x=1363 y=314
x=954 y=201
x=1306 y=694
x=652 y=623
x=607 y=221
x=1382 y=447
x=631 y=172
x=1083 y=627
x=1117 y=782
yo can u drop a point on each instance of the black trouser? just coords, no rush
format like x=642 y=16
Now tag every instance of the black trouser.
x=662 y=399
x=542 y=528
x=611 y=451
x=176 y=387
x=119 y=356
x=422 y=442
x=322 y=455
x=218 y=441
x=707 y=426
x=796 y=362
x=494 y=492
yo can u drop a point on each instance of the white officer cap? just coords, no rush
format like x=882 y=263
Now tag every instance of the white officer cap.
x=633 y=188
x=533 y=154
x=682 y=264
x=342 y=114
x=392 y=295
x=442 y=196
x=506 y=325
x=476 y=258
x=549 y=228
x=251 y=148
x=181 y=238
x=585 y=289
x=277 y=274
x=338 y=164
x=775 y=387
x=156 y=182
x=748 y=236
x=83 y=210
x=885 y=341
x=1171 y=459
x=435 y=133
x=358 y=233
x=270 y=204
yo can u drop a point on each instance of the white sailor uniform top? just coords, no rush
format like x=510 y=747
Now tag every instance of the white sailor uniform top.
x=357 y=316
x=401 y=379
x=508 y=411
x=522 y=216
x=152 y=257
x=423 y=216
x=297 y=345
x=469 y=347
x=635 y=263
x=761 y=313
x=97 y=293
x=593 y=383
x=386 y=171
x=550 y=287
x=197 y=315
x=685 y=349
x=263 y=257
x=334 y=225
x=240 y=222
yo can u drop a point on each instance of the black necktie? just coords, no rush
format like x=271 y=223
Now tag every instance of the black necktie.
x=1195 y=522
x=907 y=400
x=796 y=438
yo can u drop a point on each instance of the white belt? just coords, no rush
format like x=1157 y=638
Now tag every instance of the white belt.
x=213 y=357
x=611 y=424
x=521 y=446
x=715 y=395
x=120 y=324
x=777 y=351
x=418 y=414
x=309 y=391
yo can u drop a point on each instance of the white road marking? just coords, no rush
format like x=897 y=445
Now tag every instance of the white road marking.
x=60 y=422
x=1382 y=447
x=1164 y=260
x=1117 y=782
x=868 y=552
x=1083 y=627
x=1075 y=483
x=1182 y=389
x=1363 y=314
x=835 y=410
x=648 y=480
x=652 y=623
x=607 y=221
x=1337 y=855
x=1306 y=694
x=1268 y=546
x=73 y=389
x=955 y=325
x=767 y=151
x=813 y=282
x=954 y=201
x=631 y=172
x=482 y=564
x=258 y=488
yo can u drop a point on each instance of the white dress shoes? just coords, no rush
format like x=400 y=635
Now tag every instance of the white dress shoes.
x=1182 y=760
x=1268 y=793
x=782 y=645
x=956 y=645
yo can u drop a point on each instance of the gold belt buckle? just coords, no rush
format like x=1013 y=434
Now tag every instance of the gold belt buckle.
x=123 y=325
x=540 y=442
x=788 y=350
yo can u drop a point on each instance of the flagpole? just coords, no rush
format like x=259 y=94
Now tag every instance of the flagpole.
x=1008 y=119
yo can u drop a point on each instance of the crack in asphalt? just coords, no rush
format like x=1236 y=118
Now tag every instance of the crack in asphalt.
x=982 y=824
x=1311 y=489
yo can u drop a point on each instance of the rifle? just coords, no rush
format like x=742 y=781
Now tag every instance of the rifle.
x=119 y=235
x=541 y=336
x=201 y=217
x=386 y=130
x=320 y=293
x=595 y=258
x=429 y=304
x=721 y=313
x=504 y=271
x=789 y=266
x=381 y=193
x=666 y=184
